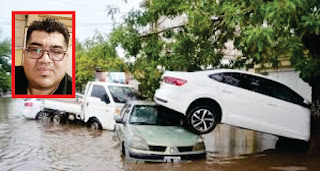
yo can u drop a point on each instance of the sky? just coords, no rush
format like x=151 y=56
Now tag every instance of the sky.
x=91 y=15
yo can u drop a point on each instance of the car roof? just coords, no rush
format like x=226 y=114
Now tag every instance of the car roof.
x=214 y=71
x=111 y=84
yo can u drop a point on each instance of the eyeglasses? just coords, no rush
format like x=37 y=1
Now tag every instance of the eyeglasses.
x=54 y=54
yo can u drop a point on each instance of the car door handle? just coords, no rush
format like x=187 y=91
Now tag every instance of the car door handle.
x=226 y=91
x=272 y=104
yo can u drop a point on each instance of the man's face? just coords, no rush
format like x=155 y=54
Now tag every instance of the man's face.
x=45 y=73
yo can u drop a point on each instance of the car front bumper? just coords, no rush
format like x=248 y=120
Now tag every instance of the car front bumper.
x=155 y=157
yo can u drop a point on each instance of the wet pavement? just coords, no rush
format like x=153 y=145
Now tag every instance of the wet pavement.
x=33 y=145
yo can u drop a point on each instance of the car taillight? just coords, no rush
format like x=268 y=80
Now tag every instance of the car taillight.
x=174 y=81
x=28 y=104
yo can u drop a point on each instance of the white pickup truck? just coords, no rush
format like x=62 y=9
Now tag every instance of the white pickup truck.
x=100 y=103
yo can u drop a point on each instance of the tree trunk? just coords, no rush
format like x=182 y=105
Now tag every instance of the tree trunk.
x=315 y=119
x=311 y=42
x=315 y=106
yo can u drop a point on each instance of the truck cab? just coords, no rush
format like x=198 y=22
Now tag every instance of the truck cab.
x=103 y=101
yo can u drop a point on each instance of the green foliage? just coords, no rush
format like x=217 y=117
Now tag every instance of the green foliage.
x=147 y=75
x=128 y=37
x=5 y=56
x=262 y=30
x=95 y=54
x=5 y=67
x=5 y=81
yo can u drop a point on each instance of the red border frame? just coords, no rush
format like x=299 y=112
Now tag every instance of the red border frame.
x=73 y=13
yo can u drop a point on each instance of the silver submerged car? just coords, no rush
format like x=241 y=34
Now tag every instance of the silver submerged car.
x=149 y=132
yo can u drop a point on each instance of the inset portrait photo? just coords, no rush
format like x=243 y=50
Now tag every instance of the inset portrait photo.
x=43 y=54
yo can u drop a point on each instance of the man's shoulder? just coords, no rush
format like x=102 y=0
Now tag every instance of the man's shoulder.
x=19 y=74
x=65 y=86
x=18 y=69
x=21 y=82
x=69 y=81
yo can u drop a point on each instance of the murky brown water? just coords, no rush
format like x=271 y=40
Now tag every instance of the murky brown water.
x=32 y=145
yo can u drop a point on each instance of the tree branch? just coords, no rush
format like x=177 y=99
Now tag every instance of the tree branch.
x=164 y=30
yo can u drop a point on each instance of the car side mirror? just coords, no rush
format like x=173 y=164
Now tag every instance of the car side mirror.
x=105 y=99
x=119 y=120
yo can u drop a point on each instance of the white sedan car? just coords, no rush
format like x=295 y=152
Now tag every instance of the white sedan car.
x=31 y=107
x=237 y=98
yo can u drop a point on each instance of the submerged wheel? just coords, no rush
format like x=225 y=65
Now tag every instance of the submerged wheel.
x=57 y=119
x=203 y=119
x=40 y=115
x=126 y=155
x=94 y=124
x=123 y=152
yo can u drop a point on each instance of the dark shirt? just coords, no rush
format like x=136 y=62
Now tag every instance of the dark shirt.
x=21 y=83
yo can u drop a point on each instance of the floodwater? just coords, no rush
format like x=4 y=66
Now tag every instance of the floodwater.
x=33 y=145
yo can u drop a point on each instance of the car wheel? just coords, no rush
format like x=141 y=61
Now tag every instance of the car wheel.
x=94 y=124
x=123 y=153
x=40 y=115
x=57 y=119
x=202 y=119
x=127 y=155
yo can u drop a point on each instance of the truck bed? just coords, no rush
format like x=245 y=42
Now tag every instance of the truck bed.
x=63 y=104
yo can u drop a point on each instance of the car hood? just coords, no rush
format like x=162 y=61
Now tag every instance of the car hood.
x=164 y=135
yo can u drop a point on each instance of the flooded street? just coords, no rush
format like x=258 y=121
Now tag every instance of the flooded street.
x=33 y=145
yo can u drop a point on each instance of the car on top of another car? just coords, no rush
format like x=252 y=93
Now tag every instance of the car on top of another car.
x=235 y=97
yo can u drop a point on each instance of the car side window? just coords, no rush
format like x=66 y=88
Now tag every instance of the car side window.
x=100 y=92
x=217 y=77
x=227 y=78
x=274 y=89
x=284 y=93
x=231 y=79
x=259 y=85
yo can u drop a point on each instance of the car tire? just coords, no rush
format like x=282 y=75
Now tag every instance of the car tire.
x=122 y=150
x=57 y=118
x=94 y=124
x=40 y=115
x=202 y=119
x=127 y=157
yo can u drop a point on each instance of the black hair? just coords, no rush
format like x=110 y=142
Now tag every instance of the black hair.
x=49 y=25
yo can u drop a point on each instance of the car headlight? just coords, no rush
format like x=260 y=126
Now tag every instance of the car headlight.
x=199 y=146
x=138 y=143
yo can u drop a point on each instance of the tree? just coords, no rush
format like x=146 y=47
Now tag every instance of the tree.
x=5 y=67
x=262 y=30
x=95 y=54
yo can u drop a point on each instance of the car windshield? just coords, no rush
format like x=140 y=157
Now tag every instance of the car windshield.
x=155 y=115
x=122 y=94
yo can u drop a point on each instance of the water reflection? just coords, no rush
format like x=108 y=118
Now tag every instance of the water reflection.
x=33 y=145
x=227 y=141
